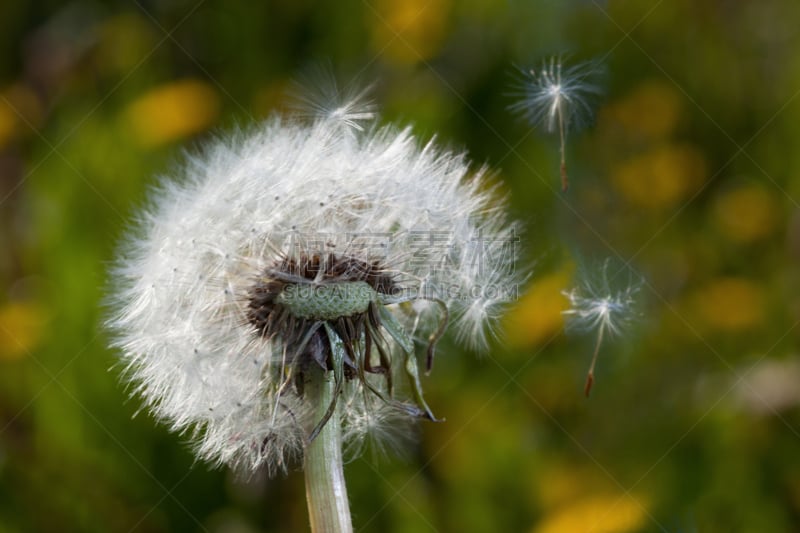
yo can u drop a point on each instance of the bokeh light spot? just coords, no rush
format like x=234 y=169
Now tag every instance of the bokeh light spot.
x=409 y=31
x=21 y=326
x=173 y=111
x=599 y=514
x=746 y=213
x=661 y=177
x=730 y=304
x=651 y=112
x=537 y=315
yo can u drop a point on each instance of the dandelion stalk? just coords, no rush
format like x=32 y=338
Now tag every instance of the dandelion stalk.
x=326 y=493
x=562 y=135
x=590 y=375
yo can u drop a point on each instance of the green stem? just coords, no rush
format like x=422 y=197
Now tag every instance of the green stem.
x=326 y=493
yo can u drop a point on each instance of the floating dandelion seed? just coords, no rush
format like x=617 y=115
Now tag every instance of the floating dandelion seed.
x=556 y=98
x=317 y=96
x=597 y=307
x=299 y=248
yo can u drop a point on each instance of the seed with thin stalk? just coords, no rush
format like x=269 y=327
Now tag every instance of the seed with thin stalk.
x=595 y=306
x=557 y=99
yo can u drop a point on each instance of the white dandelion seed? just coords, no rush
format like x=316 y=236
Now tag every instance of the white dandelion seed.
x=299 y=246
x=596 y=306
x=557 y=98
x=317 y=96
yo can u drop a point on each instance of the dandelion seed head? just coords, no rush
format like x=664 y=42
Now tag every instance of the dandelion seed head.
x=208 y=308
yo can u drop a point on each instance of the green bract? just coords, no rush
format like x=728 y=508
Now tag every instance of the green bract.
x=327 y=301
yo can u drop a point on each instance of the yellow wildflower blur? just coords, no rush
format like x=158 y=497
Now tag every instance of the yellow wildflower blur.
x=661 y=176
x=408 y=31
x=21 y=327
x=730 y=304
x=651 y=112
x=598 y=514
x=537 y=315
x=558 y=483
x=173 y=111
x=746 y=213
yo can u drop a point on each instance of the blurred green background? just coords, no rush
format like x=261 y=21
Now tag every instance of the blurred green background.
x=690 y=172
